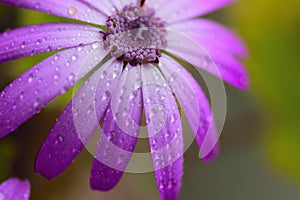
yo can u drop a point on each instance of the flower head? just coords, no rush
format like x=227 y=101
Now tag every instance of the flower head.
x=14 y=189
x=130 y=67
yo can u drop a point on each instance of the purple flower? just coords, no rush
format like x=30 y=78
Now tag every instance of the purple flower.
x=129 y=65
x=14 y=189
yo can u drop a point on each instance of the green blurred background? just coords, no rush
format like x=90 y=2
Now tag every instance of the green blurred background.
x=260 y=143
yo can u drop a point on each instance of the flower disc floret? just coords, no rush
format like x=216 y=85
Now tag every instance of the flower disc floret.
x=135 y=35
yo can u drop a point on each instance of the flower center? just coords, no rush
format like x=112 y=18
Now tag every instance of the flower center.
x=134 y=35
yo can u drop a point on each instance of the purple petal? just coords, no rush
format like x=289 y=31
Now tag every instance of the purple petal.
x=67 y=8
x=157 y=4
x=165 y=132
x=177 y=11
x=14 y=189
x=195 y=105
x=119 y=133
x=43 y=82
x=31 y=40
x=119 y=4
x=105 y=6
x=78 y=122
x=212 y=36
x=223 y=66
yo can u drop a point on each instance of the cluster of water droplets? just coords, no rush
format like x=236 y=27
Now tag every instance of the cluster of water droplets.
x=13 y=193
x=135 y=35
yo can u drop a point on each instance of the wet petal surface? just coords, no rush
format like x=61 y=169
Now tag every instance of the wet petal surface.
x=223 y=66
x=165 y=132
x=195 y=105
x=31 y=40
x=120 y=132
x=176 y=11
x=73 y=9
x=212 y=36
x=78 y=122
x=14 y=189
x=42 y=83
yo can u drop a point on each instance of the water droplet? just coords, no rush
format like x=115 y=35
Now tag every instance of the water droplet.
x=32 y=29
x=114 y=75
x=37 y=6
x=106 y=95
x=121 y=140
x=95 y=45
x=148 y=100
x=174 y=118
x=74 y=57
x=79 y=49
x=71 y=77
x=56 y=76
x=23 y=45
x=25 y=196
x=30 y=78
x=106 y=152
x=173 y=77
x=39 y=41
x=37 y=103
x=162 y=185
x=208 y=118
x=72 y=11
x=111 y=135
x=138 y=83
x=90 y=109
x=21 y=96
x=60 y=138
x=121 y=159
x=172 y=183
x=133 y=95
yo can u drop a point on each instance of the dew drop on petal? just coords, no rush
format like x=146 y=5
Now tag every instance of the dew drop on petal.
x=148 y=100
x=106 y=95
x=56 y=76
x=95 y=45
x=37 y=6
x=173 y=118
x=37 y=103
x=23 y=45
x=72 y=11
x=30 y=78
x=25 y=196
x=121 y=159
x=71 y=77
x=21 y=96
x=60 y=138
x=171 y=184
x=111 y=135
x=74 y=57
x=121 y=140
x=114 y=75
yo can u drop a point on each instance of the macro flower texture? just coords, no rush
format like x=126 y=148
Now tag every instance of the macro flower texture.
x=14 y=189
x=125 y=51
